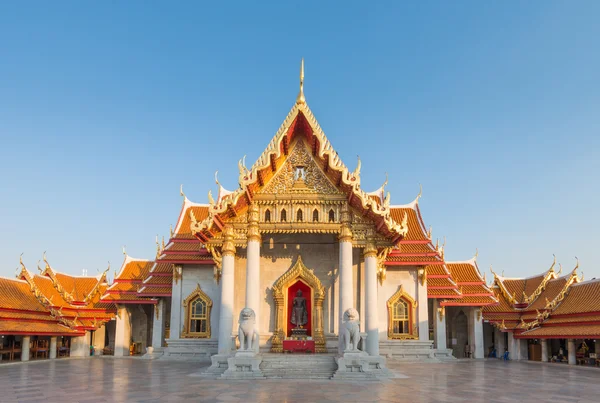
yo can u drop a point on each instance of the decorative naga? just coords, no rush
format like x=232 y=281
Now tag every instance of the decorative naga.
x=247 y=333
x=351 y=330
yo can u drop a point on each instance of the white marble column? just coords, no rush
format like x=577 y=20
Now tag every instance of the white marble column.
x=571 y=352
x=513 y=347
x=158 y=324
x=25 y=348
x=80 y=346
x=499 y=342
x=371 y=313
x=52 y=352
x=176 y=303
x=227 y=290
x=523 y=350
x=253 y=263
x=544 y=346
x=422 y=305
x=99 y=340
x=345 y=269
x=476 y=332
x=439 y=325
x=122 y=332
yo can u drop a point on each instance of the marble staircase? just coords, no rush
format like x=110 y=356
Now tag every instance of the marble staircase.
x=298 y=366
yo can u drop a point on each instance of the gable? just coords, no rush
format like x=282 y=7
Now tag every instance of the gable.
x=286 y=180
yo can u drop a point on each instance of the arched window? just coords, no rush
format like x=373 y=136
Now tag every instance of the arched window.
x=315 y=215
x=299 y=215
x=283 y=215
x=402 y=316
x=197 y=312
x=268 y=215
x=331 y=216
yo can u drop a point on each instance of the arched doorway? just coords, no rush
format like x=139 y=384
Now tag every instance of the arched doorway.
x=298 y=277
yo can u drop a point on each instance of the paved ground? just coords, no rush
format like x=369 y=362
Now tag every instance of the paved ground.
x=118 y=380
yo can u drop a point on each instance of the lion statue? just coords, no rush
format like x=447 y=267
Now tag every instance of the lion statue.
x=351 y=330
x=247 y=333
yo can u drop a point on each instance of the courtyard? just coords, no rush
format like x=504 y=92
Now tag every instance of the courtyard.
x=138 y=380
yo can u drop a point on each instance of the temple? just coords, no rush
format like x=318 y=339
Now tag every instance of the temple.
x=316 y=264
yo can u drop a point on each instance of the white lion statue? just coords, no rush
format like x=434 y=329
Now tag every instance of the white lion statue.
x=247 y=333
x=351 y=330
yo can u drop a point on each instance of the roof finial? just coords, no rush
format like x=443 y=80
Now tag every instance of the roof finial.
x=124 y=250
x=476 y=254
x=420 y=192
x=181 y=191
x=301 y=99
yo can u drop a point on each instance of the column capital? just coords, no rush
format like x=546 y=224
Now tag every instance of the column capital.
x=228 y=244
x=346 y=221
x=370 y=249
x=253 y=233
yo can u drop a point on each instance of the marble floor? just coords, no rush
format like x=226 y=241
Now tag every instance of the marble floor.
x=137 y=380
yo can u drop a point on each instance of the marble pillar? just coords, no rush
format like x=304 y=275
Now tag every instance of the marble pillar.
x=176 y=303
x=253 y=263
x=158 y=325
x=439 y=325
x=25 y=341
x=544 y=347
x=80 y=346
x=422 y=305
x=371 y=314
x=512 y=346
x=99 y=340
x=476 y=333
x=122 y=332
x=499 y=342
x=227 y=290
x=523 y=350
x=52 y=352
x=571 y=352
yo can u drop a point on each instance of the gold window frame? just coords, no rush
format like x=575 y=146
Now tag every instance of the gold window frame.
x=196 y=294
x=412 y=316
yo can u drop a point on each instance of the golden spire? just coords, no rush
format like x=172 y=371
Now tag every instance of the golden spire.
x=301 y=99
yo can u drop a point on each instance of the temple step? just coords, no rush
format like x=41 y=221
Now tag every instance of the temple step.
x=294 y=366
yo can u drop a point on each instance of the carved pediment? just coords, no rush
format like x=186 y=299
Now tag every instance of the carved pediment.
x=300 y=174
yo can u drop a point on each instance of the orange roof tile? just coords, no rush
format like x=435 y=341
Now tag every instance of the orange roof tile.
x=416 y=231
x=10 y=327
x=16 y=294
x=134 y=269
x=582 y=297
x=564 y=332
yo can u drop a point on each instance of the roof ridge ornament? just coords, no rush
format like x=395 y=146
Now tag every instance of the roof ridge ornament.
x=300 y=99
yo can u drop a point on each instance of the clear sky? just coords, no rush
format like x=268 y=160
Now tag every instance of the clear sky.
x=107 y=107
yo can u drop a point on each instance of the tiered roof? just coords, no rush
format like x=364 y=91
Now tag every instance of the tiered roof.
x=80 y=308
x=526 y=304
x=24 y=313
x=127 y=283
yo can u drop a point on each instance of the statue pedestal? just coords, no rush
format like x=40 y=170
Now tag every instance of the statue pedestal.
x=244 y=365
x=359 y=365
x=299 y=333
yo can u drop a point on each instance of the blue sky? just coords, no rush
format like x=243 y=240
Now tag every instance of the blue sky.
x=106 y=108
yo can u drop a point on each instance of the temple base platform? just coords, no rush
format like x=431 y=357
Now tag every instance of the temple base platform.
x=413 y=351
x=244 y=365
x=359 y=365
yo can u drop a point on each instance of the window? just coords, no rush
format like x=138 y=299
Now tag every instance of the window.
x=331 y=216
x=315 y=215
x=268 y=215
x=299 y=215
x=283 y=215
x=400 y=324
x=198 y=318
x=402 y=316
x=197 y=312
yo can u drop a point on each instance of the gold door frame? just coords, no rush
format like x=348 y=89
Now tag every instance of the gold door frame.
x=298 y=272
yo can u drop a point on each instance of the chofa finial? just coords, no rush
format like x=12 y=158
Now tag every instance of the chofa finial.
x=301 y=99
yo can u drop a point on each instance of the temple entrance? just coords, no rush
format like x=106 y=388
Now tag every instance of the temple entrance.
x=298 y=295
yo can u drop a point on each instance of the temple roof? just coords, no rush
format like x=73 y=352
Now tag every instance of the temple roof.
x=22 y=312
x=128 y=281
